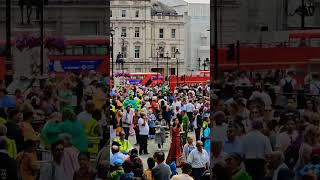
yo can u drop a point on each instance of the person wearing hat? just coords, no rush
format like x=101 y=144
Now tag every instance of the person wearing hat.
x=125 y=145
x=115 y=175
x=233 y=162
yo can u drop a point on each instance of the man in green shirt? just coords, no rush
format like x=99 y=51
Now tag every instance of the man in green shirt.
x=233 y=162
x=185 y=125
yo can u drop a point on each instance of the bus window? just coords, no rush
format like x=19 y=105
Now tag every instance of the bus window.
x=55 y=52
x=101 y=50
x=77 y=50
x=68 y=51
x=315 y=42
x=90 y=50
x=2 y=50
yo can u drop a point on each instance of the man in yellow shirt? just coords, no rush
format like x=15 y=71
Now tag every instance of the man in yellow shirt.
x=125 y=145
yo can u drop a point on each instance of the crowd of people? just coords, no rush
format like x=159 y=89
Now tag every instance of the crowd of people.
x=258 y=128
x=155 y=114
x=55 y=129
x=240 y=128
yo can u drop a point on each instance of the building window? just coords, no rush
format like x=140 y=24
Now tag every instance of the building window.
x=173 y=33
x=137 y=13
x=161 y=33
x=124 y=31
x=137 y=70
x=88 y=28
x=136 y=32
x=110 y=13
x=123 y=13
x=161 y=52
x=124 y=51
x=137 y=52
x=173 y=50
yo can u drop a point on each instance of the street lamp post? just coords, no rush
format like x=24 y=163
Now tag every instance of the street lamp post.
x=215 y=26
x=167 y=57
x=158 y=66
x=112 y=58
x=176 y=54
x=8 y=41
x=122 y=55
x=41 y=36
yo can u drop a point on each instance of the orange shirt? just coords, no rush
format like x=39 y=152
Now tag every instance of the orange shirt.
x=28 y=165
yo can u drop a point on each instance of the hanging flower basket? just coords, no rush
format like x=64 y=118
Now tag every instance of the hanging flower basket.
x=29 y=41
x=126 y=75
x=55 y=42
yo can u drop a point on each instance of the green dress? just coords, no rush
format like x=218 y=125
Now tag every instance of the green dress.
x=185 y=123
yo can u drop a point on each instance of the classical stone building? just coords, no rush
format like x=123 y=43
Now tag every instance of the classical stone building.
x=146 y=32
x=197 y=35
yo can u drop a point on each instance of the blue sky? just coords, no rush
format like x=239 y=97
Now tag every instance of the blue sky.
x=198 y=1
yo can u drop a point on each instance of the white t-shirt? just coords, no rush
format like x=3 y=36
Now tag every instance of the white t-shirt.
x=144 y=130
x=198 y=159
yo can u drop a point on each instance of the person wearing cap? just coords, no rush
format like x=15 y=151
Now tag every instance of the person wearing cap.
x=116 y=174
x=199 y=159
x=233 y=162
x=186 y=172
x=125 y=145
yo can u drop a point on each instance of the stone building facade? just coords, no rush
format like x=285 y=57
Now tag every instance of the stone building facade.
x=146 y=32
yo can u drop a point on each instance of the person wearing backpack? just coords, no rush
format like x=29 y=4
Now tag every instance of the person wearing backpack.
x=315 y=85
x=288 y=84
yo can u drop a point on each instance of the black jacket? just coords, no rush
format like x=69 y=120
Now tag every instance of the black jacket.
x=8 y=170
x=15 y=133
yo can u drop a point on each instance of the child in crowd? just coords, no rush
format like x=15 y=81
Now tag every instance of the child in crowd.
x=148 y=172
x=160 y=137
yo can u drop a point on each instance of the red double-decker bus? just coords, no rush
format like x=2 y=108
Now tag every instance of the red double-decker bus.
x=82 y=54
x=301 y=52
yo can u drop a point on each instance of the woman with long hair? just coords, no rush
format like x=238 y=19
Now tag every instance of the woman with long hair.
x=175 y=151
